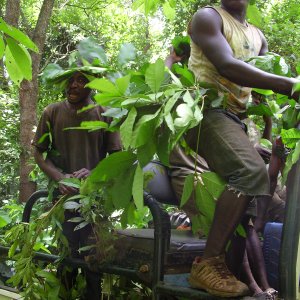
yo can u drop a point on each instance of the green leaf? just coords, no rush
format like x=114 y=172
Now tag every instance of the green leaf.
x=126 y=128
x=163 y=147
x=121 y=191
x=122 y=84
x=86 y=248
x=51 y=71
x=214 y=184
x=138 y=188
x=291 y=159
x=4 y=218
x=146 y=152
x=254 y=15
x=91 y=51
x=2 y=47
x=127 y=53
x=50 y=277
x=81 y=225
x=205 y=202
x=263 y=92
x=188 y=99
x=13 y=68
x=296 y=86
x=71 y=205
x=180 y=45
x=131 y=214
x=171 y=102
x=290 y=137
x=155 y=75
x=260 y=110
x=187 y=77
x=108 y=100
x=145 y=129
x=112 y=166
x=40 y=246
x=150 y=6
x=196 y=225
x=185 y=115
x=104 y=85
x=18 y=35
x=240 y=230
x=169 y=121
x=187 y=189
x=266 y=143
x=90 y=125
x=21 y=57
x=115 y=113
x=72 y=182
x=43 y=137
x=270 y=62
x=169 y=11
x=76 y=219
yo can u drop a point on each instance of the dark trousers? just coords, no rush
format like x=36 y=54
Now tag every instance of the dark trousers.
x=78 y=239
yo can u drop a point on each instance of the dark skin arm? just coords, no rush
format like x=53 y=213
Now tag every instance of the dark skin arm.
x=206 y=32
x=172 y=58
x=47 y=166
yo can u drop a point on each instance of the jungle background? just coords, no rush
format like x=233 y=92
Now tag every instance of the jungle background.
x=57 y=26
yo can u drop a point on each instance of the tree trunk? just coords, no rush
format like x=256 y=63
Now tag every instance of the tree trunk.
x=12 y=12
x=12 y=15
x=28 y=102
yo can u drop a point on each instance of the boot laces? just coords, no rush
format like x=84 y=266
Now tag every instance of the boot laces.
x=222 y=270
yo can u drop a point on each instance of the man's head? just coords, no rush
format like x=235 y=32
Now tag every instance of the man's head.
x=235 y=5
x=75 y=90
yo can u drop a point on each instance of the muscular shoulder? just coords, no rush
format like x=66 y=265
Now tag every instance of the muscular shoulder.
x=207 y=18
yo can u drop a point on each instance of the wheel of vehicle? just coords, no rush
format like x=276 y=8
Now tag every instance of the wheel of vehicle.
x=271 y=251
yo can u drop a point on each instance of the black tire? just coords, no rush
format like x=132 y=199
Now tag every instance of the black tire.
x=271 y=251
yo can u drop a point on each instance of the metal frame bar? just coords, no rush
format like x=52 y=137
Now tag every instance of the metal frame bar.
x=288 y=276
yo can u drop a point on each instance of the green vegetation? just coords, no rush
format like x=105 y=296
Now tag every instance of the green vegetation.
x=150 y=106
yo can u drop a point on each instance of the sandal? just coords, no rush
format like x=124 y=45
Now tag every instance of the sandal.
x=272 y=292
x=263 y=296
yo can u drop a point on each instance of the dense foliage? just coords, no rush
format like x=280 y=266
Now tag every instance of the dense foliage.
x=151 y=107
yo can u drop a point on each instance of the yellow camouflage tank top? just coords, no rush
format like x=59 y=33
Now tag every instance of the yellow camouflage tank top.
x=245 y=42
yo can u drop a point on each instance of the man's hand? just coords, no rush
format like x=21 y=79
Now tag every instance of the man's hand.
x=67 y=190
x=263 y=152
x=82 y=173
x=173 y=58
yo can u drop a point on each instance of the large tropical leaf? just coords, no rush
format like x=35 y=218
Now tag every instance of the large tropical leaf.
x=214 y=184
x=112 y=166
x=2 y=47
x=127 y=53
x=138 y=187
x=155 y=75
x=187 y=189
x=92 y=52
x=126 y=128
x=121 y=190
x=18 y=36
x=13 y=69
x=290 y=137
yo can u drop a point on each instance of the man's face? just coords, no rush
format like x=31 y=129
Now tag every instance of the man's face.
x=76 y=92
x=235 y=4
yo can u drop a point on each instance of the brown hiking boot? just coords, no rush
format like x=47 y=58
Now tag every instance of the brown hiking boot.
x=212 y=275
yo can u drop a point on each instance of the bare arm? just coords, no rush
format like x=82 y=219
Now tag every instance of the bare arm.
x=172 y=58
x=267 y=134
x=206 y=32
